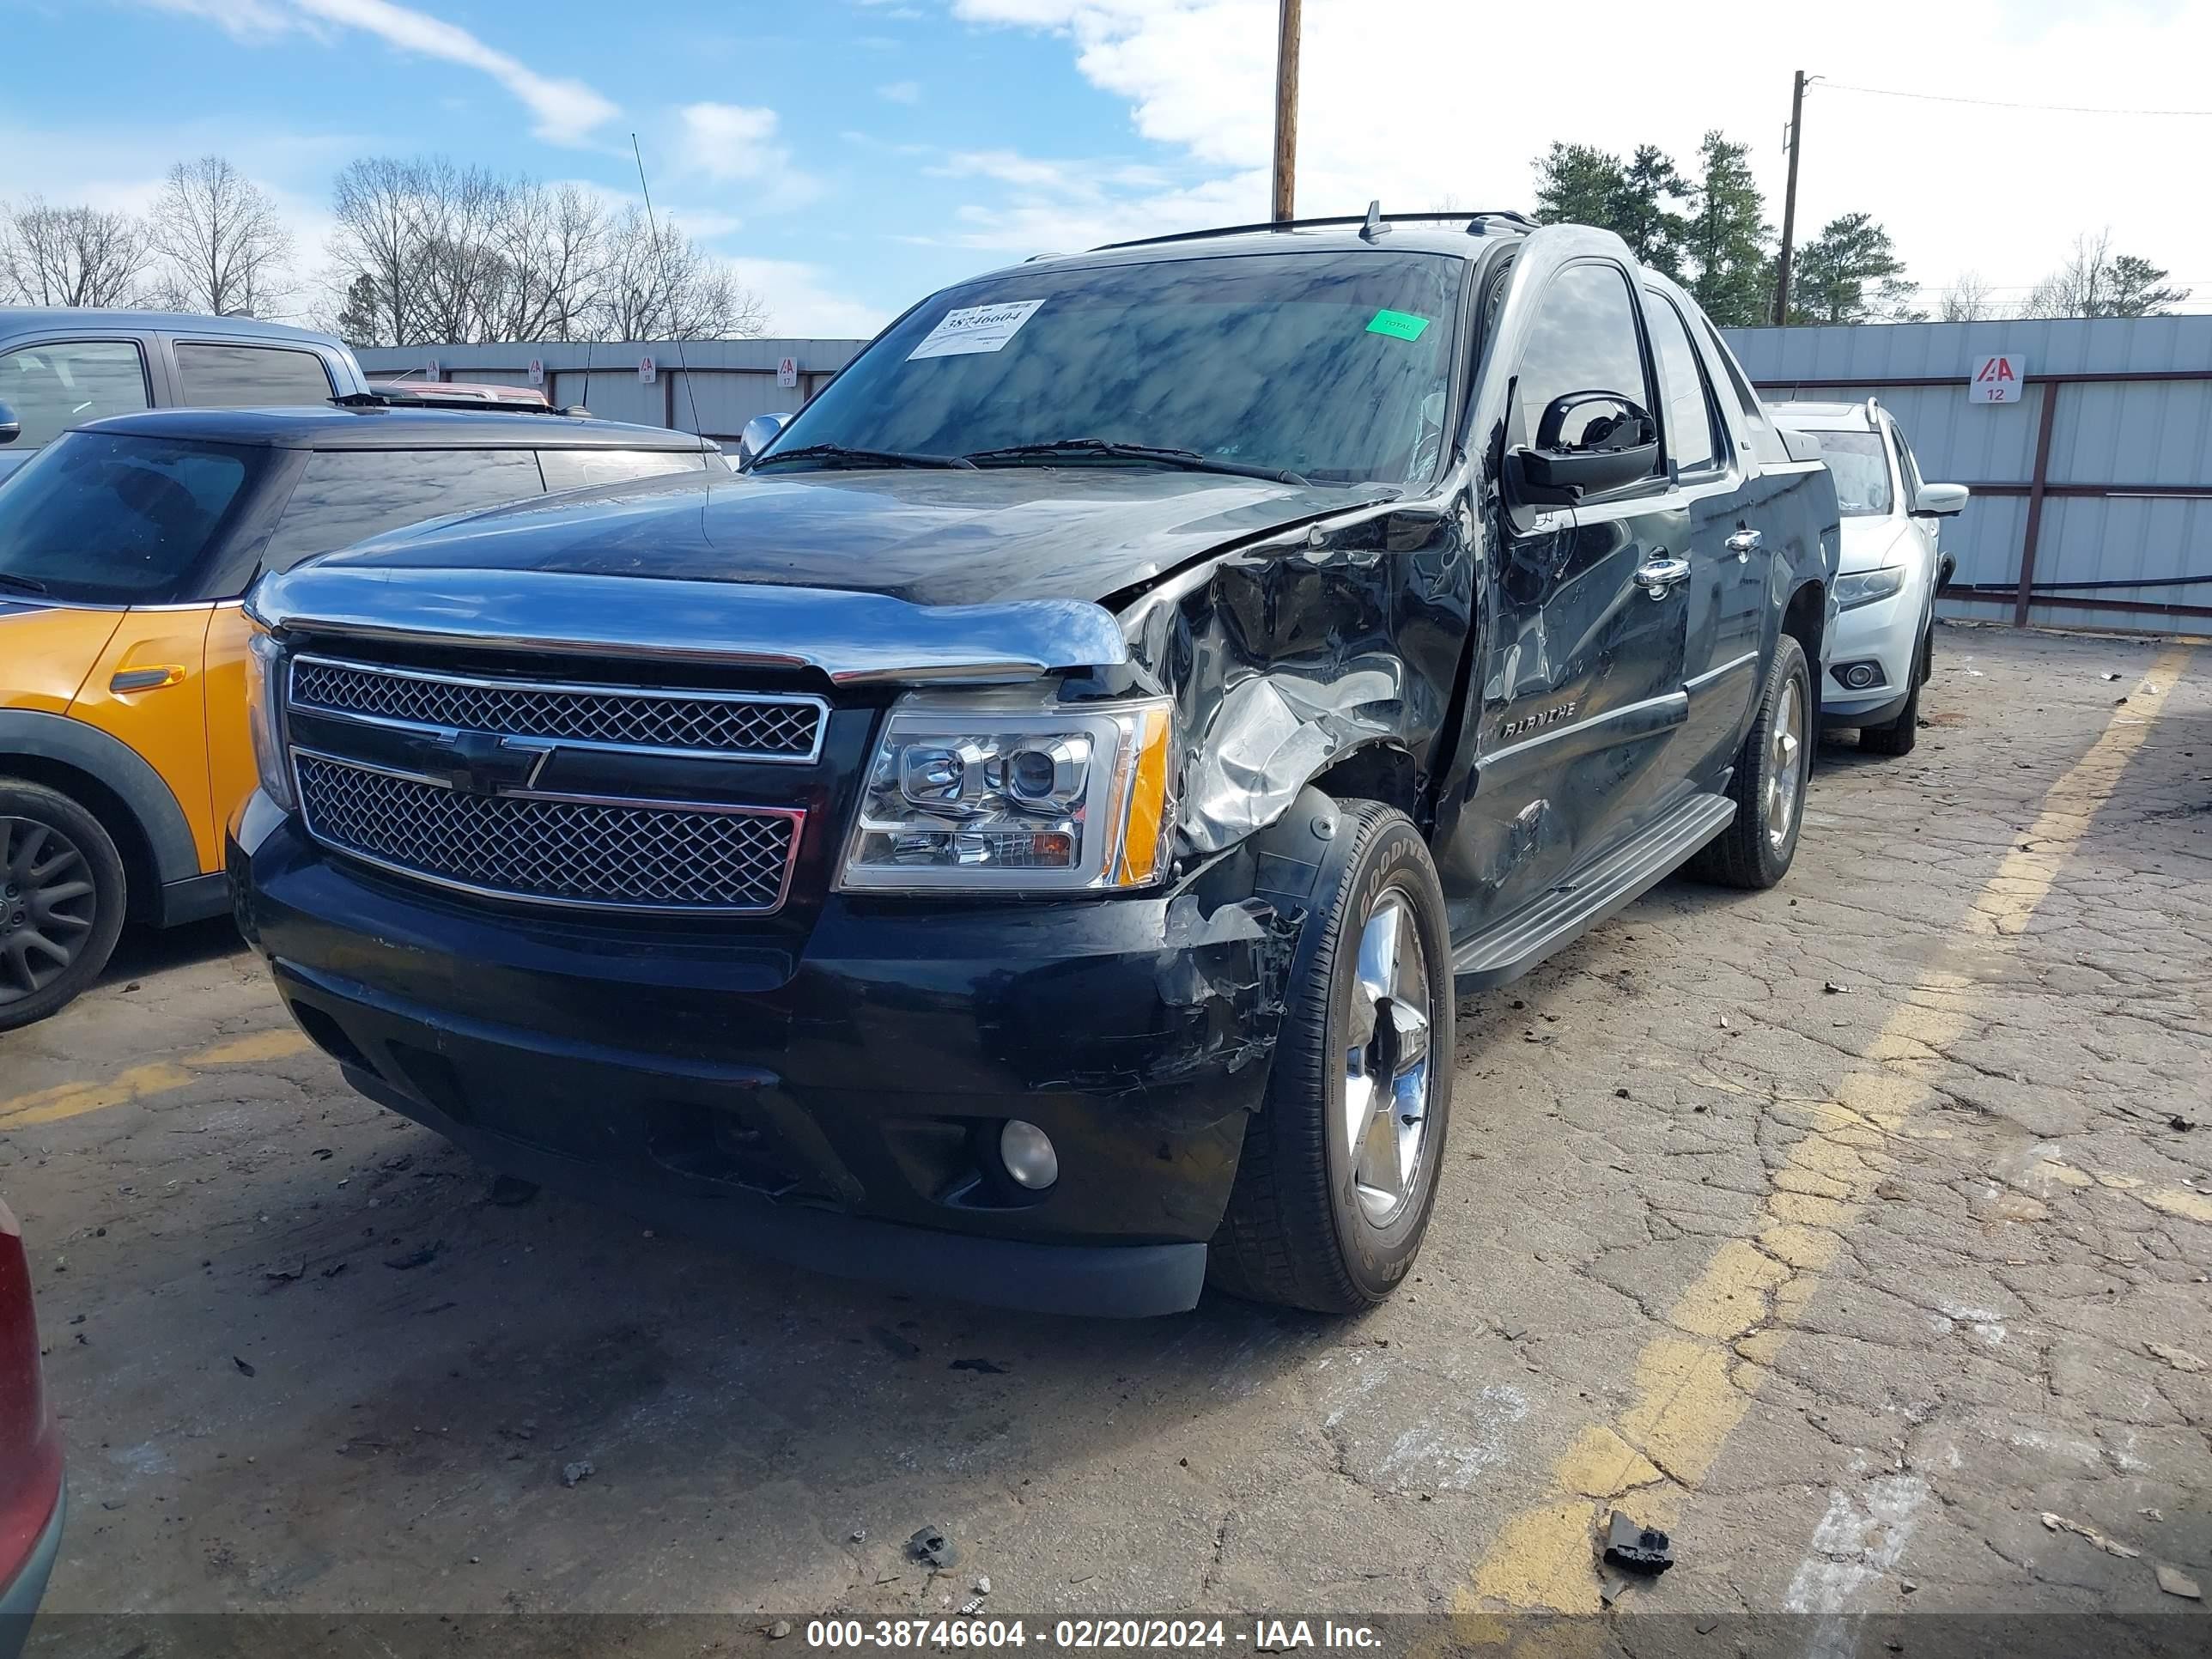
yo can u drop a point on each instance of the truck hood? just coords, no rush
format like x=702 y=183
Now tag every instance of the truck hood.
x=925 y=538
x=1869 y=543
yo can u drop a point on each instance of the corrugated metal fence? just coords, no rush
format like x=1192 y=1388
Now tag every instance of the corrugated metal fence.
x=2093 y=495
x=731 y=380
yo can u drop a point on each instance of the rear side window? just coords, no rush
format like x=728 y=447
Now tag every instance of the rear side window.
x=212 y=376
x=1692 y=443
x=1766 y=441
x=1583 y=339
x=346 y=495
x=100 y=517
x=60 y=384
x=578 y=469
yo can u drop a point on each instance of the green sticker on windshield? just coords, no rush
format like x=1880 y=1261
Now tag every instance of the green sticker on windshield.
x=1399 y=324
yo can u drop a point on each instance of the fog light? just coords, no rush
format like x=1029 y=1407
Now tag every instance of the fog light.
x=1860 y=675
x=1028 y=1155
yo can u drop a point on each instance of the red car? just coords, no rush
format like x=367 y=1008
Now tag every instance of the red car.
x=30 y=1450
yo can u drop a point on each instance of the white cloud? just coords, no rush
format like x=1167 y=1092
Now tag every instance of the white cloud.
x=802 y=303
x=901 y=92
x=567 y=110
x=732 y=143
x=1454 y=100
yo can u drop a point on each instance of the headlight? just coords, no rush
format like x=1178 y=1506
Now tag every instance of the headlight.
x=1865 y=587
x=264 y=715
x=973 y=795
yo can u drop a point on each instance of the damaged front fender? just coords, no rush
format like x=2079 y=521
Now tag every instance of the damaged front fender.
x=1287 y=655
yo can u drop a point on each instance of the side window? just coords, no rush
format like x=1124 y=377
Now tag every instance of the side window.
x=579 y=469
x=1691 y=443
x=1583 y=339
x=346 y=495
x=1766 y=441
x=212 y=376
x=60 y=384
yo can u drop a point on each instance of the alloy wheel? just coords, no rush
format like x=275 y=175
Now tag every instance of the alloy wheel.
x=1785 y=761
x=1387 y=1060
x=47 y=906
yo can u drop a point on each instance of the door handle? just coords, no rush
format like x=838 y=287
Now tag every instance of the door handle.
x=1657 y=576
x=1742 y=543
x=145 y=679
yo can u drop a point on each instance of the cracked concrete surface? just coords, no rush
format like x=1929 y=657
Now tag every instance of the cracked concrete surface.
x=1935 y=1319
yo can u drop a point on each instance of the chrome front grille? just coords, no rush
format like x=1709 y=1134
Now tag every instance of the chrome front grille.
x=718 y=725
x=553 y=849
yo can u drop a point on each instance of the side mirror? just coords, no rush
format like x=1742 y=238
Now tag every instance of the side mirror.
x=10 y=428
x=1587 y=443
x=759 y=432
x=1942 y=501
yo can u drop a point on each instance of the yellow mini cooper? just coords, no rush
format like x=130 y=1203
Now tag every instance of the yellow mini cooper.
x=124 y=547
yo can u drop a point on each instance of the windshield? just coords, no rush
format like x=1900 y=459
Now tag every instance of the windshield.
x=102 y=518
x=1330 y=366
x=1860 y=462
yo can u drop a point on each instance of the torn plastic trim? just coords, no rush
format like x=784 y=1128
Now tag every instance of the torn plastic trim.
x=855 y=638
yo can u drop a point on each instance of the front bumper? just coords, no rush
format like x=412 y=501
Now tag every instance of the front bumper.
x=1888 y=634
x=830 y=1096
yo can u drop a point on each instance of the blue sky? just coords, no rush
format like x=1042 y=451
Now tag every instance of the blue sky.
x=849 y=155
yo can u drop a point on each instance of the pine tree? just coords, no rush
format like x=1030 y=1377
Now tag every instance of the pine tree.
x=1849 y=274
x=1727 y=235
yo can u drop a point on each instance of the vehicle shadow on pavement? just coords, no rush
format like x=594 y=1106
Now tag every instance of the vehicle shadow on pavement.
x=144 y=951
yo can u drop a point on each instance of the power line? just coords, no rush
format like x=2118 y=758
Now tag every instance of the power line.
x=1993 y=103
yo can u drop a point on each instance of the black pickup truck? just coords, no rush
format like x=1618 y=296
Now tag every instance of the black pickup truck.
x=1022 y=837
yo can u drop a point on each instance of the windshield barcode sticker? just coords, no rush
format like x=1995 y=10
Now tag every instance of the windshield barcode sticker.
x=975 y=328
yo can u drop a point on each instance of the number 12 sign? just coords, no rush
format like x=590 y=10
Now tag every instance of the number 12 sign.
x=1997 y=380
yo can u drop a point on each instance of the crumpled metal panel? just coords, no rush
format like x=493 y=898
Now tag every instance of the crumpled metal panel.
x=1289 y=655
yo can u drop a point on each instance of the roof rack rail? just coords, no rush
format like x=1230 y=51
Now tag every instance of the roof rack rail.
x=1474 y=221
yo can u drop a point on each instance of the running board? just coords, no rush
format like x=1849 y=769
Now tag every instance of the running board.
x=1586 y=897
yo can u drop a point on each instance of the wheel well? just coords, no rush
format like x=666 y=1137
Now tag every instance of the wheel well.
x=1805 y=621
x=1806 y=618
x=1378 y=772
x=143 y=884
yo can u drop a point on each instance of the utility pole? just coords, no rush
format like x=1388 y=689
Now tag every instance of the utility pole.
x=1286 y=113
x=1789 y=202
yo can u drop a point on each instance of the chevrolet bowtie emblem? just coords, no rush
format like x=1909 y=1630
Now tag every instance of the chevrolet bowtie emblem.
x=482 y=764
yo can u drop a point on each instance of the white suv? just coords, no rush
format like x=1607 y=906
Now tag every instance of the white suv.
x=1890 y=571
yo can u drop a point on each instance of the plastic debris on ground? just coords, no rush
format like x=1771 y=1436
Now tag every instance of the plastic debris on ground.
x=931 y=1544
x=1637 y=1548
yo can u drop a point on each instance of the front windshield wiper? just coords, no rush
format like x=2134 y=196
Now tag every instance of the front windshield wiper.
x=1189 y=460
x=859 y=457
x=23 y=584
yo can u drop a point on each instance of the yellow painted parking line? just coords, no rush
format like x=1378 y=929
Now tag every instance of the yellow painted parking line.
x=1693 y=1382
x=76 y=1099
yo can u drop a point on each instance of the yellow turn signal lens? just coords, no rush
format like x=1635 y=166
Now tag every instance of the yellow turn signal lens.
x=1145 y=837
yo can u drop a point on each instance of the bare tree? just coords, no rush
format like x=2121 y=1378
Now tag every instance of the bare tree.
x=662 y=287
x=552 y=245
x=227 y=250
x=425 y=252
x=70 y=256
x=2080 y=286
x=374 y=249
x=1969 y=301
